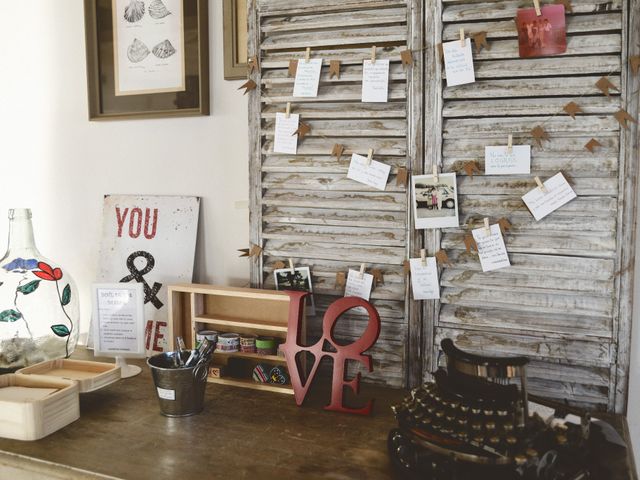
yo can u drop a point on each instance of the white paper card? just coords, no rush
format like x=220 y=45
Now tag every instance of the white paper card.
x=491 y=249
x=358 y=287
x=166 y=394
x=307 y=78
x=458 y=63
x=558 y=193
x=375 y=174
x=375 y=81
x=424 y=279
x=498 y=161
x=284 y=140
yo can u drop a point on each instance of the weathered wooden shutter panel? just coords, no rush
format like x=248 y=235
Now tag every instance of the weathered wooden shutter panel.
x=303 y=206
x=565 y=301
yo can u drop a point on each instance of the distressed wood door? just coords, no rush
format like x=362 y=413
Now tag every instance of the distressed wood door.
x=566 y=300
x=303 y=206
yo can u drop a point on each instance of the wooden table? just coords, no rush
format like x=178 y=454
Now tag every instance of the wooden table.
x=242 y=433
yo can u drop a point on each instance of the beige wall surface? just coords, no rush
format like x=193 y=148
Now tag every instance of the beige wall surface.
x=53 y=160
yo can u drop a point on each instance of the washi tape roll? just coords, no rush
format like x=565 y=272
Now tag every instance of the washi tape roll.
x=228 y=342
x=248 y=343
x=278 y=375
x=260 y=374
x=266 y=345
x=210 y=335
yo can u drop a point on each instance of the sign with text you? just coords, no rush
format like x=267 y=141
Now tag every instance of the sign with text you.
x=150 y=240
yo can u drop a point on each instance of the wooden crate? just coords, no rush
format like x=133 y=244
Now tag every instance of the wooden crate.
x=89 y=375
x=195 y=307
x=25 y=418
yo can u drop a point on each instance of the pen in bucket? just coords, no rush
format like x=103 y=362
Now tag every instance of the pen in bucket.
x=180 y=347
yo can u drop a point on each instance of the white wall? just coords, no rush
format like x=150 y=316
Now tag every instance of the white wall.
x=59 y=164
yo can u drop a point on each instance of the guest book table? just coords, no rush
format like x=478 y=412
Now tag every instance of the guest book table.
x=242 y=433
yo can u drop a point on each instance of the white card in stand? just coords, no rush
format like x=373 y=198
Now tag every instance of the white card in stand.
x=358 y=287
x=375 y=81
x=375 y=174
x=458 y=63
x=491 y=249
x=558 y=192
x=284 y=140
x=424 y=279
x=307 y=78
x=498 y=160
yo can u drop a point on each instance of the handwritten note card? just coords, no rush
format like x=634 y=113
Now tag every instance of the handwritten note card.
x=497 y=160
x=424 y=279
x=375 y=174
x=558 y=193
x=375 y=81
x=358 y=287
x=285 y=141
x=307 y=78
x=458 y=63
x=491 y=249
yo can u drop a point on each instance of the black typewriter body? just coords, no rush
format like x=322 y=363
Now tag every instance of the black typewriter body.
x=472 y=423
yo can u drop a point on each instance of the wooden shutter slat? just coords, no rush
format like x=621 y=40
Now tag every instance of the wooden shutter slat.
x=330 y=20
x=313 y=111
x=532 y=106
x=324 y=38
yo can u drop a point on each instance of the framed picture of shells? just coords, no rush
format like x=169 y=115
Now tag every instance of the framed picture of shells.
x=147 y=58
x=235 y=39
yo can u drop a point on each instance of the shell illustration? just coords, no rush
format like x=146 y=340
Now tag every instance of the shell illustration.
x=158 y=10
x=164 y=49
x=137 y=51
x=134 y=11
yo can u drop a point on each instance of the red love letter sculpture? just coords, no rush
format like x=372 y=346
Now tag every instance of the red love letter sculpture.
x=343 y=352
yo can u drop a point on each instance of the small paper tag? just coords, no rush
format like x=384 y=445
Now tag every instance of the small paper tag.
x=307 y=78
x=558 y=193
x=491 y=249
x=498 y=161
x=424 y=279
x=358 y=287
x=458 y=63
x=375 y=174
x=375 y=81
x=166 y=394
x=285 y=140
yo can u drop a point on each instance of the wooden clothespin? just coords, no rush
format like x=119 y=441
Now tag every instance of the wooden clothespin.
x=291 y=266
x=536 y=5
x=369 y=156
x=307 y=55
x=541 y=186
x=373 y=54
x=435 y=173
x=487 y=227
x=423 y=257
x=510 y=145
x=462 y=39
x=363 y=266
x=288 y=112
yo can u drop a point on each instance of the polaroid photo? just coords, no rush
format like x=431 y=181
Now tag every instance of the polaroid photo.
x=542 y=35
x=435 y=203
x=298 y=280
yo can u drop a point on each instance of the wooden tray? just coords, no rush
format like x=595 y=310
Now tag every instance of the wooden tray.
x=28 y=411
x=89 y=375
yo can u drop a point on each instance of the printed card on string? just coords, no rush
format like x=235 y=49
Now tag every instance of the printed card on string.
x=358 y=287
x=541 y=35
x=374 y=174
x=424 y=279
x=498 y=160
x=375 y=81
x=458 y=63
x=558 y=193
x=284 y=139
x=491 y=248
x=298 y=279
x=307 y=78
x=435 y=201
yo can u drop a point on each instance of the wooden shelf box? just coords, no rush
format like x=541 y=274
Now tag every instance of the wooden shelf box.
x=194 y=307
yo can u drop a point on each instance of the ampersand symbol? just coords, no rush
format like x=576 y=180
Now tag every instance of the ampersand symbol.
x=150 y=293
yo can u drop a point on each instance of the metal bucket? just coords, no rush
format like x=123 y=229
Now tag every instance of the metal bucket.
x=180 y=390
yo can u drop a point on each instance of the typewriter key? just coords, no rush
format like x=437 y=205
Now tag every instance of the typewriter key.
x=431 y=409
x=490 y=425
x=502 y=413
x=561 y=439
x=440 y=414
x=476 y=411
x=464 y=408
x=508 y=427
x=494 y=441
x=488 y=413
x=511 y=440
x=450 y=417
x=462 y=421
x=479 y=439
x=520 y=460
x=477 y=426
x=532 y=453
x=426 y=422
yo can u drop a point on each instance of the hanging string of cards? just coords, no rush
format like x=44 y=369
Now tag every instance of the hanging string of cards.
x=541 y=32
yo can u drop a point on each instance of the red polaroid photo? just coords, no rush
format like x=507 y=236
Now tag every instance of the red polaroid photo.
x=542 y=35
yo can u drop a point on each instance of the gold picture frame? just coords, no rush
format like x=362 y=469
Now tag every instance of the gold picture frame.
x=104 y=101
x=234 y=14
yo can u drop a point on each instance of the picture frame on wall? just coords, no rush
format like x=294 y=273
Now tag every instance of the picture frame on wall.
x=147 y=58
x=235 y=39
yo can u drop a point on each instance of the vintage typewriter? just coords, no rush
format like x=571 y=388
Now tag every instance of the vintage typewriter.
x=473 y=422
